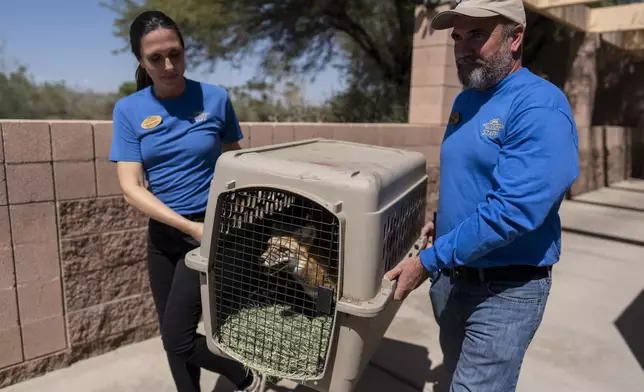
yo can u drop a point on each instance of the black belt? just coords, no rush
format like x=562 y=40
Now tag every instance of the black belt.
x=197 y=216
x=505 y=273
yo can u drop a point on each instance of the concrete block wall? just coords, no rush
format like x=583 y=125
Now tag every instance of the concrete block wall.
x=73 y=281
x=73 y=278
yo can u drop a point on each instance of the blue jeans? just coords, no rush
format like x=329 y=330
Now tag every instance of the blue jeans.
x=485 y=329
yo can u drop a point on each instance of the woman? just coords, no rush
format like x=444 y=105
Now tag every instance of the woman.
x=170 y=134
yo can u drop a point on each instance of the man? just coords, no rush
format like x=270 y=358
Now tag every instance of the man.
x=508 y=157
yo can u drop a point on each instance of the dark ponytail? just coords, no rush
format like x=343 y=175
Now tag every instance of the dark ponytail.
x=143 y=80
x=143 y=24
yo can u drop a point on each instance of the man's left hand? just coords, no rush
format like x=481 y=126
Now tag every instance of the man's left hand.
x=410 y=274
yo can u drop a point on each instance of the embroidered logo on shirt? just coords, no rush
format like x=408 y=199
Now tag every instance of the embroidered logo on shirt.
x=151 y=122
x=492 y=128
x=199 y=117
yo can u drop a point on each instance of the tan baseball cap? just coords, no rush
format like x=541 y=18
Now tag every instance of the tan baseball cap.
x=511 y=9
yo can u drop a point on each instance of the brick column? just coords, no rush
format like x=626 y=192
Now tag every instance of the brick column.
x=434 y=82
x=581 y=83
x=580 y=87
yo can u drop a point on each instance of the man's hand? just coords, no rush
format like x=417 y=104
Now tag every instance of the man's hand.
x=410 y=274
x=428 y=231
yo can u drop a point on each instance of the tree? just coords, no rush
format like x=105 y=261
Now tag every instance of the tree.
x=126 y=88
x=22 y=98
x=295 y=37
x=370 y=41
x=258 y=101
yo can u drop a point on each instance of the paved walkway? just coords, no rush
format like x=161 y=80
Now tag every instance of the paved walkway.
x=586 y=342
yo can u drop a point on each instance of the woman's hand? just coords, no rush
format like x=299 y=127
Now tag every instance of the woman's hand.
x=195 y=230
x=132 y=181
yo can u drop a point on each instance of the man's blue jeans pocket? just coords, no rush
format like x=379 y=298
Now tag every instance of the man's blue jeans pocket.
x=534 y=291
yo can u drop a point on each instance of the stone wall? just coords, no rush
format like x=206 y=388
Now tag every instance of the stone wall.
x=73 y=278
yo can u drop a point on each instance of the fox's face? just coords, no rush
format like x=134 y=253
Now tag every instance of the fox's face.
x=283 y=250
x=290 y=247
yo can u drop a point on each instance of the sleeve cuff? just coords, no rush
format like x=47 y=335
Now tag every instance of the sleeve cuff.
x=124 y=158
x=428 y=259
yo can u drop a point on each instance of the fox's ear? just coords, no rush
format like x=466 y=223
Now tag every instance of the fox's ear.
x=307 y=234
x=282 y=228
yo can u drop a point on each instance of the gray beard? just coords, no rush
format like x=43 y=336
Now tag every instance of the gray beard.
x=487 y=73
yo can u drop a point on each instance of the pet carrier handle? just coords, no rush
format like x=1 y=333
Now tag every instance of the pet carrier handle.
x=195 y=261
x=371 y=308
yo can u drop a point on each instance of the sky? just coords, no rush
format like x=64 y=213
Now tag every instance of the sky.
x=72 y=41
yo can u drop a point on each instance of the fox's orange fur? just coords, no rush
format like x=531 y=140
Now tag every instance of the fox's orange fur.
x=292 y=250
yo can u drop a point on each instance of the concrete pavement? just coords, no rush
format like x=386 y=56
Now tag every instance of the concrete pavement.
x=582 y=344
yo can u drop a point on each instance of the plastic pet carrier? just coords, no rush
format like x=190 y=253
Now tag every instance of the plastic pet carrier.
x=297 y=239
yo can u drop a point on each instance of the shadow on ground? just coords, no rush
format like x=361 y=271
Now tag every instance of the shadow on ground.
x=629 y=325
x=402 y=363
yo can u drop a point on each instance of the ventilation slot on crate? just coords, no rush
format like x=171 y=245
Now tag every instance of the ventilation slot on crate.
x=402 y=226
x=274 y=280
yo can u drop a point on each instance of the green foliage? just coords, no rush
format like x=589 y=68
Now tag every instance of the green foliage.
x=22 y=98
x=291 y=36
x=370 y=40
x=265 y=102
x=126 y=88
x=370 y=96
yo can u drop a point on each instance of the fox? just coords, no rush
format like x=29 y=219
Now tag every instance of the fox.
x=290 y=248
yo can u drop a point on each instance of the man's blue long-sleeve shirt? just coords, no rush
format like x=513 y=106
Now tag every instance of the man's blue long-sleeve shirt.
x=508 y=157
